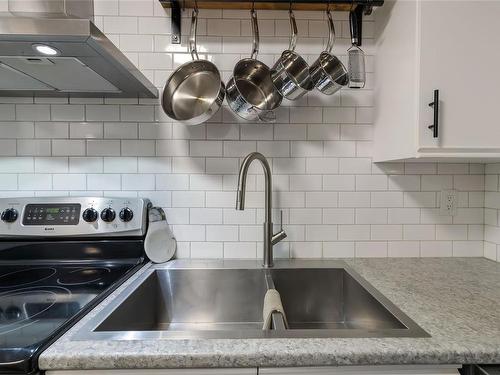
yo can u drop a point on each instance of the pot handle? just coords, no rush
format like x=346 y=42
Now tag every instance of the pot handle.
x=192 y=35
x=255 y=34
x=293 y=31
x=267 y=116
x=331 y=32
x=263 y=115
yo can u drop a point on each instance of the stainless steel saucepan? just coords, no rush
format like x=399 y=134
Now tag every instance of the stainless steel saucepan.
x=290 y=74
x=250 y=91
x=195 y=91
x=328 y=72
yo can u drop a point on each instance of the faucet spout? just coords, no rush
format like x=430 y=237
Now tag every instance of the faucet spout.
x=269 y=238
x=240 y=199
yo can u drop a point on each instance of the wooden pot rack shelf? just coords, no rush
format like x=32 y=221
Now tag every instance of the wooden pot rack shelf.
x=359 y=6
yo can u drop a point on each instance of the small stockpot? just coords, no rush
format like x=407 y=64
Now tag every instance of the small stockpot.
x=195 y=91
x=250 y=92
x=290 y=73
x=328 y=72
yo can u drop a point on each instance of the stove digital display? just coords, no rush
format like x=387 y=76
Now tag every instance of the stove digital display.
x=52 y=214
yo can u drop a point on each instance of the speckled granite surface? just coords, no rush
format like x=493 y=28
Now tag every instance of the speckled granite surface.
x=456 y=300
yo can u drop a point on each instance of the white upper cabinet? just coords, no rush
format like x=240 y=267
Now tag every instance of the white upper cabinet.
x=449 y=46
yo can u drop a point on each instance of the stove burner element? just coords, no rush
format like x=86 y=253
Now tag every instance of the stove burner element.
x=26 y=306
x=25 y=276
x=83 y=276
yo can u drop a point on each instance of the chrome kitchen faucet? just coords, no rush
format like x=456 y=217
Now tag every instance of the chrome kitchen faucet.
x=270 y=239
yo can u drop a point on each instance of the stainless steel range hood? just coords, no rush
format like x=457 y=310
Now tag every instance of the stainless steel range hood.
x=52 y=48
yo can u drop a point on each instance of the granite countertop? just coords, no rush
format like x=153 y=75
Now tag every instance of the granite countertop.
x=456 y=300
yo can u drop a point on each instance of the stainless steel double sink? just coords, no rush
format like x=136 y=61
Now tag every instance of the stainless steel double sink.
x=224 y=299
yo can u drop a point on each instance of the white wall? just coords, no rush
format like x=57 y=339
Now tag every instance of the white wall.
x=336 y=202
x=492 y=212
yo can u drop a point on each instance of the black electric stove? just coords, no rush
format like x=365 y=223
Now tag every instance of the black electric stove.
x=55 y=271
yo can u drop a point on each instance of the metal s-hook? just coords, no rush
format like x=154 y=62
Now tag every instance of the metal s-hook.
x=192 y=35
x=293 y=29
x=331 y=31
x=255 y=33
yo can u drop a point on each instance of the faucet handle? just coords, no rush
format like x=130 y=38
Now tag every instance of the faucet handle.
x=281 y=235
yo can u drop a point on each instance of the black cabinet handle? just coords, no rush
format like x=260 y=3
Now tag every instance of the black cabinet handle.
x=435 y=105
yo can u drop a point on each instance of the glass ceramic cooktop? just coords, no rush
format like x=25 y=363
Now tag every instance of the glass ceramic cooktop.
x=36 y=300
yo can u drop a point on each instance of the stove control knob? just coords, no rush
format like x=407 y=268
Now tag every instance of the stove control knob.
x=9 y=215
x=126 y=214
x=108 y=215
x=90 y=215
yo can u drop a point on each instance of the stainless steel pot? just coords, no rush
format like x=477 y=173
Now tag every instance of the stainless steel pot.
x=290 y=74
x=195 y=91
x=250 y=91
x=328 y=72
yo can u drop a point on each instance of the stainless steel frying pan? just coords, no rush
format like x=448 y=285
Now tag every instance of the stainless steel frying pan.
x=195 y=91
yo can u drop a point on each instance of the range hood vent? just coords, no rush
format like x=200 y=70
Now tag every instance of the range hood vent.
x=52 y=48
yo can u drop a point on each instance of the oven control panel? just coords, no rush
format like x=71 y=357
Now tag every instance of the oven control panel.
x=73 y=216
x=52 y=214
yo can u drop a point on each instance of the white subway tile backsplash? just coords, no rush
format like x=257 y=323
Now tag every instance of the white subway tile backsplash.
x=32 y=112
x=371 y=249
x=86 y=130
x=102 y=112
x=102 y=147
x=138 y=182
x=222 y=232
x=371 y=216
x=451 y=232
x=65 y=112
x=205 y=216
x=436 y=249
x=371 y=182
x=33 y=147
x=188 y=165
x=419 y=232
x=306 y=249
x=306 y=182
x=71 y=181
x=355 y=166
x=232 y=216
x=305 y=216
x=135 y=147
x=322 y=132
x=354 y=199
x=104 y=181
x=188 y=199
x=16 y=129
x=335 y=201
x=51 y=130
x=468 y=248
x=86 y=165
x=51 y=165
x=7 y=147
x=279 y=149
x=120 y=130
x=8 y=182
x=68 y=147
x=37 y=181
x=469 y=182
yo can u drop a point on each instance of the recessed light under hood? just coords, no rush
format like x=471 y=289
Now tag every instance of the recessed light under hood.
x=52 y=48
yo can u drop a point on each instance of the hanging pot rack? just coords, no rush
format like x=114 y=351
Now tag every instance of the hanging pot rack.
x=361 y=7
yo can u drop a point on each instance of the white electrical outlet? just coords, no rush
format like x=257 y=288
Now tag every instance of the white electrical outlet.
x=449 y=201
